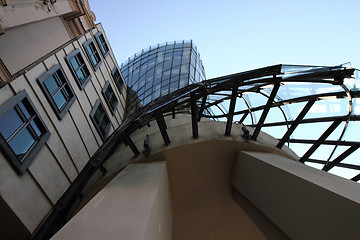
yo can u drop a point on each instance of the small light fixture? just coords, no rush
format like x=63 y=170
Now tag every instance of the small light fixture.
x=246 y=132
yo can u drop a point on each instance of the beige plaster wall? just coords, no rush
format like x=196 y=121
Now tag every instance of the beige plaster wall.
x=203 y=208
x=202 y=200
x=134 y=205
x=22 y=12
x=304 y=202
x=24 y=44
x=72 y=142
x=199 y=174
x=179 y=130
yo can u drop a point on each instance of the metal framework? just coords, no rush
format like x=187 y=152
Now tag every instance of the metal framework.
x=271 y=84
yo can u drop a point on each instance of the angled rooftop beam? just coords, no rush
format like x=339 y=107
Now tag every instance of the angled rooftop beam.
x=194 y=115
x=266 y=111
x=344 y=165
x=290 y=101
x=295 y=123
x=315 y=120
x=341 y=157
x=326 y=142
x=162 y=126
x=320 y=140
x=356 y=178
x=130 y=143
x=243 y=117
x=231 y=111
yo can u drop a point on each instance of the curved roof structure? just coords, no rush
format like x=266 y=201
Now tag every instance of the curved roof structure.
x=314 y=110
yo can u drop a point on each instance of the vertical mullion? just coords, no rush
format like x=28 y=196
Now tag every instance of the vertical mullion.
x=231 y=111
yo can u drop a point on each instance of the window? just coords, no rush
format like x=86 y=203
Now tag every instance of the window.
x=117 y=78
x=100 y=119
x=78 y=68
x=57 y=90
x=92 y=53
x=23 y=132
x=100 y=39
x=110 y=97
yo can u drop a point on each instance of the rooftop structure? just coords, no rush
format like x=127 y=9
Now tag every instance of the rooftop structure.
x=161 y=69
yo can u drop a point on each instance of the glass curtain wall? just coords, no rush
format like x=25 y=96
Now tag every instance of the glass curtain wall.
x=161 y=69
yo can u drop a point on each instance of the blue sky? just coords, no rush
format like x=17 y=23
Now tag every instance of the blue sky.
x=234 y=36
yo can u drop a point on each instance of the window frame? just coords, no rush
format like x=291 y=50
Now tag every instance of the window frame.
x=92 y=113
x=21 y=167
x=119 y=85
x=85 y=45
x=73 y=71
x=60 y=113
x=100 y=44
x=111 y=107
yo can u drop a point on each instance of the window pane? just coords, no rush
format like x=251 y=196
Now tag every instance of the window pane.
x=51 y=84
x=74 y=63
x=36 y=128
x=185 y=69
x=80 y=75
x=88 y=48
x=68 y=94
x=104 y=48
x=103 y=125
x=9 y=123
x=167 y=65
x=108 y=92
x=79 y=59
x=113 y=101
x=93 y=59
x=59 y=100
x=176 y=61
x=97 y=115
x=22 y=143
x=24 y=110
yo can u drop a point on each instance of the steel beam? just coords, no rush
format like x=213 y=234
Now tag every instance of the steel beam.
x=356 y=178
x=320 y=140
x=230 y=116
x=162 y=127
x=295 y=123
x=194 y=116
x=244 y=116
x=202 y=107
x=326 y=142
x=266 y=111
x=315 y=120
x=336 y=161
x=130 y=143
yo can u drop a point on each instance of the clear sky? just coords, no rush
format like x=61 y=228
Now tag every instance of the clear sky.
x=238 y=35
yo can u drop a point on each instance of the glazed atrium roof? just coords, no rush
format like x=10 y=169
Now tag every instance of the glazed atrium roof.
x=314 y=110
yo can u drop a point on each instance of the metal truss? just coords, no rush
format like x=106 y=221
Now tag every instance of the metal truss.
x=204 y=100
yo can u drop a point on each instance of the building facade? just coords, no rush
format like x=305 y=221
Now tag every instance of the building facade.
x=72 y=164
x=161 y=69
x=61 y=95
